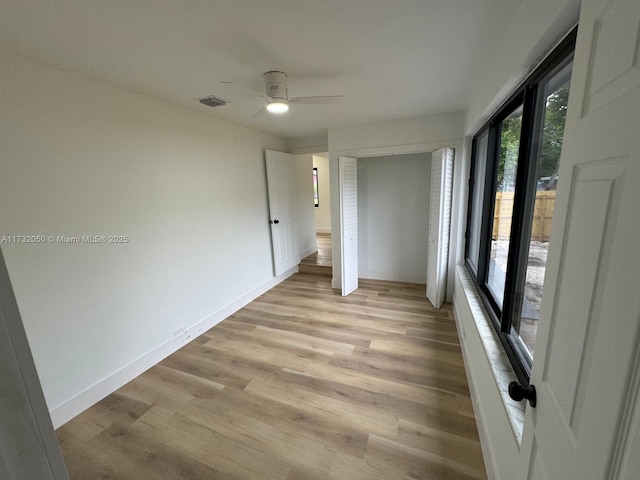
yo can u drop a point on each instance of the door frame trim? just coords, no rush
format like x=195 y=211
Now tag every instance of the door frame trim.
x=336 y=228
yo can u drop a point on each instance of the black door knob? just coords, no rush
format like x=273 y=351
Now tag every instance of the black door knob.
x=518 y=393
x=276 y=221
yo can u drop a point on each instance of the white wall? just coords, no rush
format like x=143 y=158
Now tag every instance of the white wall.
x=81 y=157
x=410 y=135
x=323 y=211
x=306 y=215
x=535 y=28
x=299 y=146
x=397 y=135
x=393 y=211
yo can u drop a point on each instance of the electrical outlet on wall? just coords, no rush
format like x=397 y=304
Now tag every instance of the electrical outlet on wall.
x=178 y=332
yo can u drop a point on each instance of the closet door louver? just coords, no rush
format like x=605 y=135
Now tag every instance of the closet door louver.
x=349 y=223
x=439 y=225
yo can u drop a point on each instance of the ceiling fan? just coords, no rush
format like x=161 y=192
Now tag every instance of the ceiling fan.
x=277 y=94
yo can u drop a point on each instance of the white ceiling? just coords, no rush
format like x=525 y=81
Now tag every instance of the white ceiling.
x=389 y=58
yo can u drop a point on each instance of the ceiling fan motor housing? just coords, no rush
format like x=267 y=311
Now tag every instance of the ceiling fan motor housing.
x=276 y=86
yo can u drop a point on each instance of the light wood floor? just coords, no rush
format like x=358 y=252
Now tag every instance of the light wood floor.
x=301 y=384
x=323 y=255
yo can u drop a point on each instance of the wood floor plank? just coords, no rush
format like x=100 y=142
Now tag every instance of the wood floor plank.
x=297 y=420
x=304 y=341
x=374 y=402
x=354 y=417
x=352 y=468
x=316 y=328
x=422 y=394
x=176 y=385
x=463 y=448
x=417 y=463
x=255 y=434
x=203 y=362
x=442 y=378
x=265 y=352
x=197 y=442
x=323 y=256
x=302 y=383
x=122 y=454
x=354 y=318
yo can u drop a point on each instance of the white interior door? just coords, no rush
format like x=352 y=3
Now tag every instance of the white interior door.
x=439 y=223
x=281 y=177
x=348 y=223
x=587 y=368
x=28 y=444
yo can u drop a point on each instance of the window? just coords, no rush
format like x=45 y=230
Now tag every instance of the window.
x=514 y=173
x=474 y=222
x=316 y=200
x=509 y=131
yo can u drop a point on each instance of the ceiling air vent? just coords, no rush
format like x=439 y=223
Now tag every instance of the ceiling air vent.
x=212 y=101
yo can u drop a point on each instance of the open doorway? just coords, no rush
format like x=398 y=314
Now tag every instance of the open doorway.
x=337 y=158
x=323 y=207
x=315 y=212
x=393 y=216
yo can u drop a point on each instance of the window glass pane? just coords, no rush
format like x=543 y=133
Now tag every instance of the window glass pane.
x=475 y=220
x=555 y=96
x=503 y=203
x=316 y=200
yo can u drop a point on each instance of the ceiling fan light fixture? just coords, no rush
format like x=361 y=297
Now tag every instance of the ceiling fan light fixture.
x=278 y=106
x=276 y=91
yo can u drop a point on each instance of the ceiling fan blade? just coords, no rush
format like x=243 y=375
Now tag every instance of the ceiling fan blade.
x=259 y=112
x=240 y=88
x=321 y=100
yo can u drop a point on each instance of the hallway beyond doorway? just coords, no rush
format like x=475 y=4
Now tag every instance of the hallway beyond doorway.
x=320 y=261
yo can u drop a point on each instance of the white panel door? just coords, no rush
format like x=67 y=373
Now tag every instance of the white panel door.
x=348 y=223
x=587 y=366
x=281 y=178
x=439 y=223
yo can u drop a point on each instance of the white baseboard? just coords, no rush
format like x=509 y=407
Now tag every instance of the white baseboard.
x=323 y=230
x=309 y=251
x=392 y=276
x=64 y=412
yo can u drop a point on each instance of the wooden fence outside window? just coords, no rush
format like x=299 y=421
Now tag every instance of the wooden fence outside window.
x=542 y=215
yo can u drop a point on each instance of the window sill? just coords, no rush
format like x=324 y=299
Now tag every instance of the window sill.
x=500 y=366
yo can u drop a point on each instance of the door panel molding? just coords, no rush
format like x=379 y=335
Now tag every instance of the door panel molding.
x=625 y=458
x=611 y=76
x=593 y=208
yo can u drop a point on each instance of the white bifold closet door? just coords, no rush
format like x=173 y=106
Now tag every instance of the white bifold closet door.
x=348 y=223
x=439 y=225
